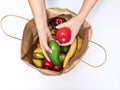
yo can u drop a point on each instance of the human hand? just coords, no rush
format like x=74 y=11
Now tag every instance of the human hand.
x=74 y=24
x=44 y=38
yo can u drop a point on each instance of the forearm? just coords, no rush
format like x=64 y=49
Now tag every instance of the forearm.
x=86 y=8
x=39 y=12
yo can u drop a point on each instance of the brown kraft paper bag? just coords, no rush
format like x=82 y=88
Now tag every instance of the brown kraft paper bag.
x=30 y=36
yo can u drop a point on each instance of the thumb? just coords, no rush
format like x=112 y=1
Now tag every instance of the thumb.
x=60 y=26
x=48 y=49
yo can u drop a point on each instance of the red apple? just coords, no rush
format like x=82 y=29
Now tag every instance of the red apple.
x=63 y=35
x=37 y=44
x=57 y=20
x=58 y=68
x=47 y=64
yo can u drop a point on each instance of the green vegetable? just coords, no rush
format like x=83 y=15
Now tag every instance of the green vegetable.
x=65 y=48
x=54 y=56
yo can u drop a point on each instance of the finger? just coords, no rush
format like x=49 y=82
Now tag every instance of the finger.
x=65 y=44
x=45 y=53
x=47 y=48
x=50 y=37
x=60 y=26
x=58 y=42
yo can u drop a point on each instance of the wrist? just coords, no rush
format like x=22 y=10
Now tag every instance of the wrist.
x=80 y=18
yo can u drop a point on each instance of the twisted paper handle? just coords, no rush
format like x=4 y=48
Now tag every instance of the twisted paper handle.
x=105 y=59
x=3 y=28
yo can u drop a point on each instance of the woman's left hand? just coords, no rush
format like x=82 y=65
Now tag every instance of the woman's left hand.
x=74 y=24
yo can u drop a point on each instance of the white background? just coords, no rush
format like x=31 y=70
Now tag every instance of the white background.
x=105 y=21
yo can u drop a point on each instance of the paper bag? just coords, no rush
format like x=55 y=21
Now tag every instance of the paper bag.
x=30 y=36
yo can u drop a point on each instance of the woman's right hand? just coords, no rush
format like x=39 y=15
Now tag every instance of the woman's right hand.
x=44 y=38
x=39 y=12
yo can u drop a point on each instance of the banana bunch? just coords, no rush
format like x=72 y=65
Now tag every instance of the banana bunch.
x=74 y=48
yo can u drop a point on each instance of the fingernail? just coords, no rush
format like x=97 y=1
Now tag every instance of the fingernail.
x=50 y=51
x=57 y=27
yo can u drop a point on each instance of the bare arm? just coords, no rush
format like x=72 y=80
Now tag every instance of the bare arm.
x=78 y=19
x=39 y=13
x=86 y=8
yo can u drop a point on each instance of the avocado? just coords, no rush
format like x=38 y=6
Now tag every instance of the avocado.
x=54 y=56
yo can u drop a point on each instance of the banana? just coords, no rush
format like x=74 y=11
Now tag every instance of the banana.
x=79 y=43
x=70 y=53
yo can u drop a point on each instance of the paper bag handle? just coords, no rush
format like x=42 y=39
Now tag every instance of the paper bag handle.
x=105 y=58
x=3 y=28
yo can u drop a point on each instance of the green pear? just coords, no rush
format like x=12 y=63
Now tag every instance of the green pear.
x=38 y=50
x=50 y=27
x=62 y=57
x=37 y=63
x=38 y=56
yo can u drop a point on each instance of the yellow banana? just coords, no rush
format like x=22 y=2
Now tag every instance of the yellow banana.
x=70 y=53
x=79 y=43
